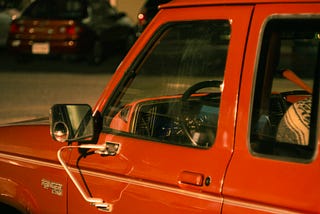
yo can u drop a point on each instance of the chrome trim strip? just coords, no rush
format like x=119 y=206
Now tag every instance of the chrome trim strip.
x=30 y=161
x=256 y=206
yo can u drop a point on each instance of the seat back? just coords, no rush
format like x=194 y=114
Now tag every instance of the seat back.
x=294 y=127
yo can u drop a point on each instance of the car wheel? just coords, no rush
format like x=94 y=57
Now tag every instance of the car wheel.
x=96 y=53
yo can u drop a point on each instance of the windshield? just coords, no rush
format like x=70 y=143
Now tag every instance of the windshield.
x=12 y=4
x=57 y=9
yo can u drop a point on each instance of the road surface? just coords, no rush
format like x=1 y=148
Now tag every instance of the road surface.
x=28 y=90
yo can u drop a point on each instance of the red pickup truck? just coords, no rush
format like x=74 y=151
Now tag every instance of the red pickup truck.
x=215 y=109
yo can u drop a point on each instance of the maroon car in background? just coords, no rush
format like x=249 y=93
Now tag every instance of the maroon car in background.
x=73 y=28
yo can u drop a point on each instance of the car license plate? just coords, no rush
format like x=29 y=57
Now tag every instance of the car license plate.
x=40 y=48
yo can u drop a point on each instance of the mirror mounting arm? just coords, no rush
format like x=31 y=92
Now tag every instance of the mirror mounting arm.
x=108 y=149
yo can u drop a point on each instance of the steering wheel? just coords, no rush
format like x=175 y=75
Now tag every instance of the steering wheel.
x=185 y=121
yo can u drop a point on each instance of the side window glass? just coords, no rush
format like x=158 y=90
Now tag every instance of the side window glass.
x=284 y=114
x=173 y=94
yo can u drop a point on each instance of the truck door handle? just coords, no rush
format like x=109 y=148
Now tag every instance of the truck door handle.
x=191 y=178
x=110 y=149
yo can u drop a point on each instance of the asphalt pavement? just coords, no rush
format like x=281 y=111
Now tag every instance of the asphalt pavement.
x=10 y=62
x=28 y=89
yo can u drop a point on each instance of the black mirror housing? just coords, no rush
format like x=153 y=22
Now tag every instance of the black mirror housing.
x=71 y=122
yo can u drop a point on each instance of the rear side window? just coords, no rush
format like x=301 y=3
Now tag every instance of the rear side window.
x=286 y=99
x=173 y=94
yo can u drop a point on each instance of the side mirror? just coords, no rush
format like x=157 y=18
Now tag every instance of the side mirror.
x=71 y=122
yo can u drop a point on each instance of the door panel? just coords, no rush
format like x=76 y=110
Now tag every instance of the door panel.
x=267 y=174
x=174 y=175
x=153 y=175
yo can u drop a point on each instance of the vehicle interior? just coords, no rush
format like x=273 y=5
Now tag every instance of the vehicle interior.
x=281 y=115
x=174 y=94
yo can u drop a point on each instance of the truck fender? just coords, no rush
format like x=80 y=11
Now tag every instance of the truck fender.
x=15 y=195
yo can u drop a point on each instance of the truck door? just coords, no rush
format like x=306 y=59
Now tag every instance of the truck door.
x=170 y=114
x=275 y=166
